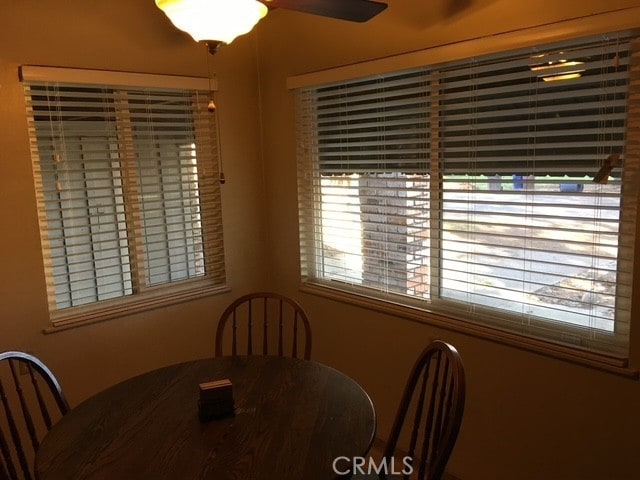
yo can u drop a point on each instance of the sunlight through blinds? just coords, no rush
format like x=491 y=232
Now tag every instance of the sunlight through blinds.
x=125 y=188
x=467 y=188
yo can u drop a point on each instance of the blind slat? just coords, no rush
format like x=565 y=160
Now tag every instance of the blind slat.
x=118 y=173
x=468 y=186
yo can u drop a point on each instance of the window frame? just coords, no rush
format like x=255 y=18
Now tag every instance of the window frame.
x=413 y=310
x=206 y=141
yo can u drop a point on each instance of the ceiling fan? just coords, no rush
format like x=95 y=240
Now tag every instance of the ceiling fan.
x=351 y=10
x=220 y=21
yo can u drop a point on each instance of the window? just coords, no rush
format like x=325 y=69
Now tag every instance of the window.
x=129 y=204
x=498 y=191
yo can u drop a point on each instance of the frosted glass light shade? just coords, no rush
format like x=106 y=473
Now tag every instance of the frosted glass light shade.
x=219 y=20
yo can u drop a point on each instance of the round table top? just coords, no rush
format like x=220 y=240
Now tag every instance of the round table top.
x=292 y=419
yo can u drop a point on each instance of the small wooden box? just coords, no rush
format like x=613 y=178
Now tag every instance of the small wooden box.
x=216 y=400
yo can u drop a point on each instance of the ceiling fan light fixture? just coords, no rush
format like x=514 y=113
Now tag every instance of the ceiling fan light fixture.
x=216 y=20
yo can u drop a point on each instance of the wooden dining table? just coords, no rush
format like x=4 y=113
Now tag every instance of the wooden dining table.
x=292 y=419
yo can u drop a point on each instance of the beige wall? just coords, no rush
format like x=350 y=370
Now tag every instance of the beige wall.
x=527 y=417
x=133 y=37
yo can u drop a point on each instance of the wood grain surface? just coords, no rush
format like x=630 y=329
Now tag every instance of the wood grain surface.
x=293 y=417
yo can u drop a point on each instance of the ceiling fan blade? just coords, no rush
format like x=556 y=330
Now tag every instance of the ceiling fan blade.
x=351 y=10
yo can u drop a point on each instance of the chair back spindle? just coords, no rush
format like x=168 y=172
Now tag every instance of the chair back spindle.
x=28 y=393
x=265 y=327
x=276 y=322
x=431 y=410
x=250 y=329
x=26 y=413
x=4 y=471
x=281 y=330
x=234 y=342
x=294 y=347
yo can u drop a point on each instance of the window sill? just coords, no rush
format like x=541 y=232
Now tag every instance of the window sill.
x=600 y=362
x=108 y=310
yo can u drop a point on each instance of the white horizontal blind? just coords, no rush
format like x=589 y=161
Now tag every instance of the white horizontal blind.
x=369 y=139
x=480 y=201
x=125 y=189
x=525 y=230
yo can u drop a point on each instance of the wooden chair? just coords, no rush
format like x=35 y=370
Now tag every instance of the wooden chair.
x=428 y=418
x=275 y=321
x=34 y=387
